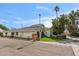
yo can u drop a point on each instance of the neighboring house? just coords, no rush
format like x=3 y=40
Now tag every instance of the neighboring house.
x=27 y=32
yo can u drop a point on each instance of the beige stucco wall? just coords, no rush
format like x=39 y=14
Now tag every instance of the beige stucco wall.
x=26 y=34
x=23 y=34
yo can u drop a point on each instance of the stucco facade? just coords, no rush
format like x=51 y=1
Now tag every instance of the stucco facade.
x=27 y=32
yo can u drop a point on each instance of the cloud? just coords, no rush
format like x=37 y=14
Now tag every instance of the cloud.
x=43 y=8
x=48 y=24
x=18 y=18
x=44 y=20
x=11 y=11
x=3 y=21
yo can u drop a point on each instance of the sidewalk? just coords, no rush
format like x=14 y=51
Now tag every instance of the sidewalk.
x=74 y=47
x=73 y=38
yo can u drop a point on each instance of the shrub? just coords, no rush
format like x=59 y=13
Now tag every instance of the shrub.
x=76 y=34
x=60 y=37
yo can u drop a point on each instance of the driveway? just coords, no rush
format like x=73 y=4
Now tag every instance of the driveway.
x=16 y=47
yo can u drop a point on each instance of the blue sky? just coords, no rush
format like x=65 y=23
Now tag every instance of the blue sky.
x=24 y=15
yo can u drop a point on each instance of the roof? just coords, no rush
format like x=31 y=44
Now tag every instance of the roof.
x=33 y=27
x=1 y=30
x=38 y=25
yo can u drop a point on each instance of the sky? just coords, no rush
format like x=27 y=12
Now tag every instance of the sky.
x=26 y=14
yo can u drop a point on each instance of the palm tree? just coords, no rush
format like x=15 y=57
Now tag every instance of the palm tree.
x=40 y=27
x=56 y=9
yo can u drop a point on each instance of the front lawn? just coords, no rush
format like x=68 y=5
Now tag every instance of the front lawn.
x=46 y=39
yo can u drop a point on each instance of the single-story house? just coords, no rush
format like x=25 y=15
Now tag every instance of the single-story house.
x=27 y=32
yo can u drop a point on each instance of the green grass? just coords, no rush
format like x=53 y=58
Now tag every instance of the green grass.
x=46 y=39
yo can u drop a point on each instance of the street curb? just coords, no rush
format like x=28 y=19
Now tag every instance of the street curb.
x=75 y=49
x=57 y=43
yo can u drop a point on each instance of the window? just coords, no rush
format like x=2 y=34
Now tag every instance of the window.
x=12 y=33
x=6 y=33
x=16 y=33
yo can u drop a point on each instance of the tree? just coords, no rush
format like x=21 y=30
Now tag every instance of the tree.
x=56 y=9
x=3 y=27
x=72 y=26
x=55 y=27
x=62 y=23
x=65 y=22
x=59 y=26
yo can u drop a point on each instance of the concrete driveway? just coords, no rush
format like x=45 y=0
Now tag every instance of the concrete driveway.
x=15 y=47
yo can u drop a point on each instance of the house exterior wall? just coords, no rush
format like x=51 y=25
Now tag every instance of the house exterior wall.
x=26 y=34
x=47 y=33
x=22 y=34
x=8 y=34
